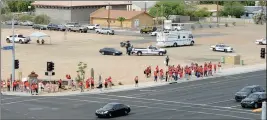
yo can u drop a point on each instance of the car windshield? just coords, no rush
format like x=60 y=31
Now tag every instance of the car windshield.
x=253 y=96
x=246 y=89
x=108 y=106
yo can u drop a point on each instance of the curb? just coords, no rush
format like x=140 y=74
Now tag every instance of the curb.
x=234 y=71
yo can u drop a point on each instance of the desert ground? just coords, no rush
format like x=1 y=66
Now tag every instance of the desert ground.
x=84 y=47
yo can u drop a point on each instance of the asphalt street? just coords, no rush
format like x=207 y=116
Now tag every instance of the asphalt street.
x=203 y=99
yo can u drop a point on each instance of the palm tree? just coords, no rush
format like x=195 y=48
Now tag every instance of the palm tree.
x=121 y=19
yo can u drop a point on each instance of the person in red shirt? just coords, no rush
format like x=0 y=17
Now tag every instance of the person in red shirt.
x=219 y=67
x=215 y=68
x=14 y=86
x=8 y=85
x=60 y=85
x=92 y=83
x=35 y=86
x=81 y=86
x=136 y=81
x=155 y=76
x=87 y=84
x=110 y=81
x=32 y=89
x=161 y=73
x=205 y=71
x=106 y=83
x=157 y=69
x=189 y=72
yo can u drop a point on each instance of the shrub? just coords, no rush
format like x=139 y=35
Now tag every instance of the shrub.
x=234 y=23
x=120 y=83
x=25 y=17
x=42 y=19
x=193 y=27
x=226 y=24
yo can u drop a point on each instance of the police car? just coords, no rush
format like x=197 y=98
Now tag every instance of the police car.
x=222 y=48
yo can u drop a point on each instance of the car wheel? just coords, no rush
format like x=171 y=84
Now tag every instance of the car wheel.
x=175 y=45
x=243 y=106
x=225 y=50
x=214 y=49
x=192 y=43
x=160 y=53
x=8 y=41
x=114 y=54
x=20 y=41
x=139 y=53
x=256 y=105
x=125 y=112
x=108 y=33
x=261 y=43
x=103 y=53
x=80 y=31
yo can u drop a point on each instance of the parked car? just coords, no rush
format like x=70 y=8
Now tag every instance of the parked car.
x=10 y=22
x=254 y=100
x=148 y=29
x=222 y=48
x=112 y=110
x=18 y=38
x=39 y=27
x=71 y=24
x=26 y=23
x=110 y=51
x=107 y=31
x=154 y=33
x=78 y=28
x=151 y=50
x=261 y=41
x=52 y=26
x=246 y=91
x=61 y=27
x=93 y=26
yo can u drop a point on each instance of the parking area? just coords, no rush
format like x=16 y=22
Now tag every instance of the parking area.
x=67 y=50
x=208 y=99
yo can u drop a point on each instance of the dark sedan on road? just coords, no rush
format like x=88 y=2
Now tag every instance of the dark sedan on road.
x=113 y=110
x=254 y=100
x=110 y=51
x=246 y=91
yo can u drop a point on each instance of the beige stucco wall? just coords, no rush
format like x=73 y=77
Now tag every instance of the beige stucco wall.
x=144 y=20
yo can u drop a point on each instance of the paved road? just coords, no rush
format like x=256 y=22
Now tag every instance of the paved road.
x=206 y=99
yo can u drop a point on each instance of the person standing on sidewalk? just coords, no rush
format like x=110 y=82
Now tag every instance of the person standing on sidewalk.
x=81 y=85
x=106 y=83
x=92 y=83
x=136 y=81
x=219 y=67
x=87 y=84
x=14 y=86
x=155 y=76
x=167 y=60
x=215 y=67
x=59 y=85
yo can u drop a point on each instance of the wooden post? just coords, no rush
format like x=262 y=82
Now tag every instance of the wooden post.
x=108 y=15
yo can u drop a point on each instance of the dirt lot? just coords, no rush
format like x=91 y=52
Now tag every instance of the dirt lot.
x=66 y=54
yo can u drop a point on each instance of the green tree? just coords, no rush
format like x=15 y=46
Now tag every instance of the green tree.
x=167 y=8
x=42 y=19
x=25 y=17
x=203 y=12
x=19 y=6
x=233 y=9
x=81 y=72
x=121 y=19
x=12 y=5
x=212 y=2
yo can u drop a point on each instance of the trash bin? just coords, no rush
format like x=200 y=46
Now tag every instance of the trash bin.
x=222 y=59
x=241 y=62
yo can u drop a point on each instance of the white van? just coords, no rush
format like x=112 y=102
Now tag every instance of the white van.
x=175 y=38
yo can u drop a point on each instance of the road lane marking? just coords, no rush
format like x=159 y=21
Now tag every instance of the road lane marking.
x=13 y=98
x=182 y=106
x=147 y=90
x=194 y=112
x=235 y=106
x=196 y=86
x=24 y=101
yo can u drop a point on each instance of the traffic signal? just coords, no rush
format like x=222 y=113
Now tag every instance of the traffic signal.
x=263 y=53
x=50 y=66
x=16 y=64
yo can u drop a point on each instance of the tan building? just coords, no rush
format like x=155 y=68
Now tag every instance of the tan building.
x=133 y=19
x=211 y=8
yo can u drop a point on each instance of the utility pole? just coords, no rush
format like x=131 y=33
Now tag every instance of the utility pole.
x=145 y=6
x=13 y=52
x=217 y=14
x=109 y=15
x=1 y=44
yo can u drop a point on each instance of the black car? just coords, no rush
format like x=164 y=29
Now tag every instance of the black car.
x=113 y=110
x=110 y=51
x=246 y=91
x=39 y=27
x=254 y=100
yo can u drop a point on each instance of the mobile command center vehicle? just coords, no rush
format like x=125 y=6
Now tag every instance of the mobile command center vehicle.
x=175 y=38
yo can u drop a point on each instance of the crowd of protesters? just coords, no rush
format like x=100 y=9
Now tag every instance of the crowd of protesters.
x=183 y=72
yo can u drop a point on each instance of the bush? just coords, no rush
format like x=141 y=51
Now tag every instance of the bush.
x=42 y=19
x=193 y=27
x=210 y=26
x=226 y=24
x=234 y=23
x=120 y=83
x=25 y=17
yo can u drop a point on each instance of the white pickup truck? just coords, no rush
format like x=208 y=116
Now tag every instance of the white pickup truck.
x=93 y=27
x=151 y=50
x=18 y=38
x=107 y=31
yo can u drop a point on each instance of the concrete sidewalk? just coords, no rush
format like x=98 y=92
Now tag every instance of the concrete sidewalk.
x=223 y=72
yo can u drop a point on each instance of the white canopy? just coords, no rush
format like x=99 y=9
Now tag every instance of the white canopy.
x=40 y=35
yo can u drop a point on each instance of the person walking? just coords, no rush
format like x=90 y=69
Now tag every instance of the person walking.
x=136 y=81
x=81 y=85
x=219 y=67
x=92 y=83
x=155 y=76
x=59 y=85
x=167 y=60
x=87 y=84
x=106 y=83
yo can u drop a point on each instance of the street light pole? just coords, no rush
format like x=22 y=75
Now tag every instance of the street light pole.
x=13 y=52
x=108 y=15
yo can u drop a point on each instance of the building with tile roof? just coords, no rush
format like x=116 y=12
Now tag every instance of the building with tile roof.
x=132 y=18
x=75 y=11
